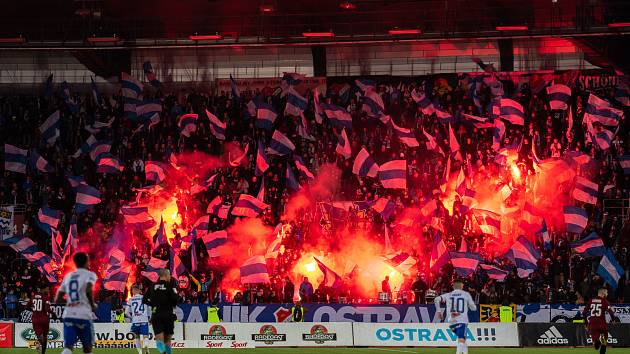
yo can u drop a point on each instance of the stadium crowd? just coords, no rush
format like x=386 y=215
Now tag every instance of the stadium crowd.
x=562 y=275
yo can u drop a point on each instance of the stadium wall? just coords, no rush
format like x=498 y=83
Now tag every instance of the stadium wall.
x=332 y=334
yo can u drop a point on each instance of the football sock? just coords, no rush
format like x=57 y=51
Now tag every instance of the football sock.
x=459 y=348
x=160 y=346
x=139 y=345
x=169 y=349
x=66 y=351
x=464 y=348
x=597 y=344
x=602 y=350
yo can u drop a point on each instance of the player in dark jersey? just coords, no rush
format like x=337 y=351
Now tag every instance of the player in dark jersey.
x=162 y=297
x=40 y=306
x=595 y=314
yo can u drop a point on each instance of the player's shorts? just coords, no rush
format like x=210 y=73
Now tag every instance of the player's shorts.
x=596 y=330
x=163 y=323
x=459 y=329
x=41 y=327
x=75 y=330
x=140 y=328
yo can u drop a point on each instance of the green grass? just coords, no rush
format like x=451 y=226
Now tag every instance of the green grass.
x=423 y=350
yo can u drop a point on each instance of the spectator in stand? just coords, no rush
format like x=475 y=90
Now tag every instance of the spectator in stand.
x=306 y=290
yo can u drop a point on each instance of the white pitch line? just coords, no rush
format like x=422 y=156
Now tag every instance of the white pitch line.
x=392 y=350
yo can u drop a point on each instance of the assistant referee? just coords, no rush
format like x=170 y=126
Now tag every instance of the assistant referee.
x=162 y=298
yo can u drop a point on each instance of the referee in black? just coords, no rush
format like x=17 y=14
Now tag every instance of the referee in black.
x=162 y=297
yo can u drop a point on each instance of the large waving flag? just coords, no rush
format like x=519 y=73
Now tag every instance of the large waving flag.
x=152 y=270
x=301 y=166
x=265 y=115
x=488 y=221
x=137 y=217
x=217 y=127
x=454 y=144
x=28 y=249
x=544 y=234
x=15 y=158
x=87 y=196
x=591 y=246
x=343 y=145
x=155 y=171
x=402 y=261
x=149 y=74
x=146 y=109
x=237 y=161
x=234 y=88
x=525 y=256
x=108 y=163
x=337 y=116
x=187 y=124
x=512 y=111
x=131 y=89
x=439 y=253
x=296 y=103
x=291 y=79
x=49 y=130
x=405 y=135
x=425 y=104
x=99 y=147
x=494 y=272
x=464 y=263
x=254 y=271
x=585 y=190
x=384 y=207
x=176 y=265
x=575 y=218
x=48 y=219
x=116 y=276
x=280 y=144
x=262 y=162
x=393 y=174
x=248 y=206
x=56 y=240
x=364 y=165
x=40 y=163
x=559 y=96
x=214 y=241
x=598 y=110
x=331 y=278
x=432 y=143
x=609 y=269
x=216 y=207
x=365 y=85
x=373 y=104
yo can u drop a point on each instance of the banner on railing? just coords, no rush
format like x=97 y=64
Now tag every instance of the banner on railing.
x=6 y=222
x=568 y=335
x=562 y=313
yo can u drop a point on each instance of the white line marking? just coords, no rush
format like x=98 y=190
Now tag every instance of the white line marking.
x=392 y=350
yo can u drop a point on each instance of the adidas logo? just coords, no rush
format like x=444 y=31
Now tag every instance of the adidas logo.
x=552 y=336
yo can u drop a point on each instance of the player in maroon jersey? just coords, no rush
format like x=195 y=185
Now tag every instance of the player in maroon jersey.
x=595 y=314
x=40 y=305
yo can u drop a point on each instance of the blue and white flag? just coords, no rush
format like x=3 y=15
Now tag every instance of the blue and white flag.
x=49 y=130
x=364 y=165
x=331 y=278
x=365 y=85
x=494 y=272
x=439 y=254
x=591 y=246
x=464 y=263
x=265 y=115
x=622 y=93
x=187 y=124
x=405 y=135
x=86 y=197
x=152 y=269
x=216 y=207
x=280 y=144
x=393 y=174
x=15 y=159
x=155 y=171
x=544 y=235
x=214 y=241
x=296 y=104
x=512 y=111
x=248 y=206
x=131 y=89
x=160 y=236
x=624 y=162
x=40 y=163
x=401 y=261
x=489 y=222
x=525 y=256
x=585 y=190
x=291 y=182
x=116 y=276
x=301 y=166
x=384 y=207
x=425 y=104
x=48 y=219
x=146 y=109
x=149 y=74
x=559 y=96
x=343 y=145
x=575 y=218
x=254 y=271
x=609 y=269
x=598 y=110
x=217 y=127
x=373 y=104
x=292 y=79
x=177 y=267
x=262 y=162
x=337 y=116
x=98 y=148
x=137 y=217
x=108 y=163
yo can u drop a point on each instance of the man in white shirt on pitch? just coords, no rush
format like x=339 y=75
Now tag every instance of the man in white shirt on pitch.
x=458 y=303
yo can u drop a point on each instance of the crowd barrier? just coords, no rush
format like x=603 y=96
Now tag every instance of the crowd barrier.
x=331 y=334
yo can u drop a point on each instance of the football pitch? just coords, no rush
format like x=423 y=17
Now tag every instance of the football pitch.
x=423 y=350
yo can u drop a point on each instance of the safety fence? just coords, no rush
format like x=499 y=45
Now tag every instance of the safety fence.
x=331 y=334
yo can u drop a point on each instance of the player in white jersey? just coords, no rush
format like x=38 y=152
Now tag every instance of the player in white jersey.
x=140 y=315
x=79 y=311
x=458 y=303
